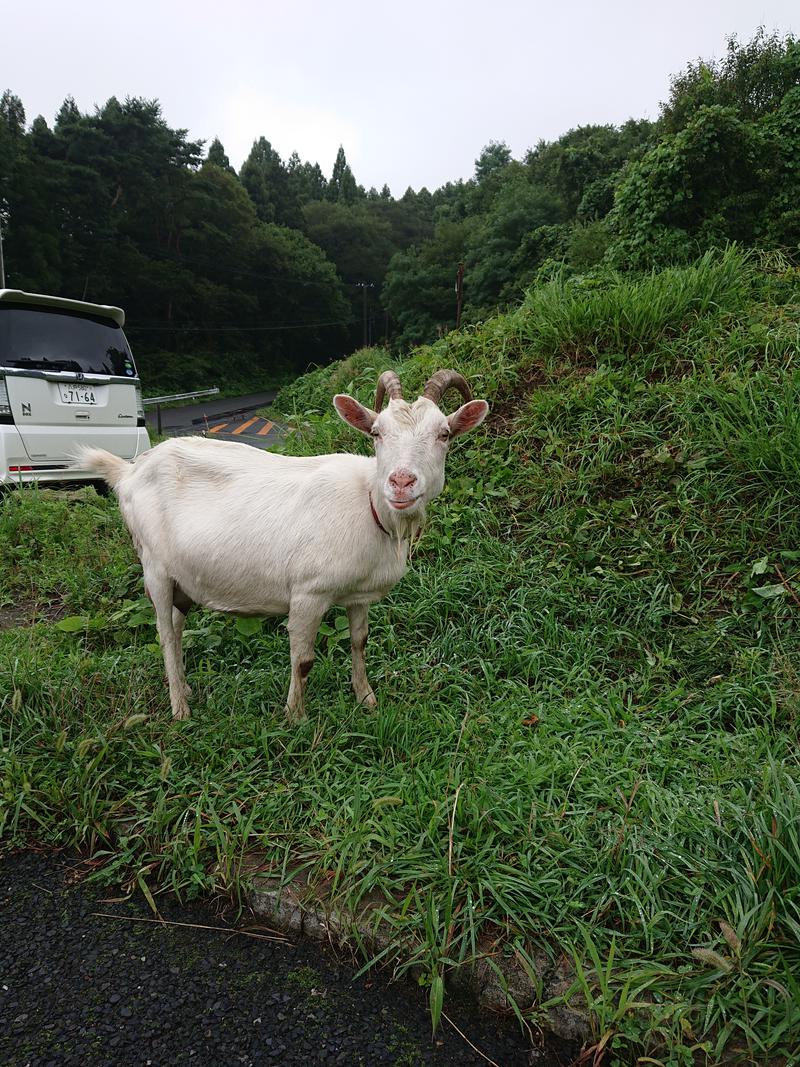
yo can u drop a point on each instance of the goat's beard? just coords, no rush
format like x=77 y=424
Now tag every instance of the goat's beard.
x=409 y=527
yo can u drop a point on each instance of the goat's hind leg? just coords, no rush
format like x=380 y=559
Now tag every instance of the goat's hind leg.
x=178 y=623
x=160 y=588
x=181 y=606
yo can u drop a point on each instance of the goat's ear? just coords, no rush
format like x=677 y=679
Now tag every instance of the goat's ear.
x=467 y=417
x=356 y=414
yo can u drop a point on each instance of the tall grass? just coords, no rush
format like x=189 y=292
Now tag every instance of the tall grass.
x=621 y=317
x=587 y=734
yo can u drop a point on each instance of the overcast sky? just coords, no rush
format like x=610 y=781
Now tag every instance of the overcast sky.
x=412 y=90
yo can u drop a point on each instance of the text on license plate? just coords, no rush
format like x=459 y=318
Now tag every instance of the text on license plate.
x=71 y=394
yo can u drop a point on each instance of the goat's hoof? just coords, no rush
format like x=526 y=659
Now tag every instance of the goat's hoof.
x=295 y=714
x=180 y=713
x=369 y=700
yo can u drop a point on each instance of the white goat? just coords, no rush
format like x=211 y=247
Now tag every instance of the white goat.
x=230 y=527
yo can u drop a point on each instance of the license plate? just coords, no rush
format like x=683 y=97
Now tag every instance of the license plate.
x=74 y=394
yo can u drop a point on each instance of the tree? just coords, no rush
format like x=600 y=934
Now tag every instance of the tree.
x=726 y=167
x=494 y=265
x=12 y=129
x=12 y=114
x=494 y=157
x=583 y=166
x=490 y=168
x=419 y=287
x=358 y=240
x=217 y=156
x=265 y=178
x=118 y=207
x=299 y=291
x=68 y=115
x=306 y=180
x=752 y=79
x=342 y=187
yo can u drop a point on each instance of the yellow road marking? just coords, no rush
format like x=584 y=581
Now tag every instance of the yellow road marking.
x=216 y=429
x=265 y=428
x=243 y=427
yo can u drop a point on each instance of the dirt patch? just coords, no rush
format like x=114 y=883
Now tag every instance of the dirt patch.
x=507 y=406
x=27 y=612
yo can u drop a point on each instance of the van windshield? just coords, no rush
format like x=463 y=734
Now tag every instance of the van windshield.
x=34 y=338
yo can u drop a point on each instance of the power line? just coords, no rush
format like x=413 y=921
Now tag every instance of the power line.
x=200 y=262
x=363 y=286
x=236 y=329
x=182 y=258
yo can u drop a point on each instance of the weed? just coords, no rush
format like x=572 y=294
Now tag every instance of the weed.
x=302 y=979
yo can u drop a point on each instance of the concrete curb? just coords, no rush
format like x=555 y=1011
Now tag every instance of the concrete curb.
x=494 y=980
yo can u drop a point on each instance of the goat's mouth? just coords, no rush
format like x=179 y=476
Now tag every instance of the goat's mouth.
x=402 y=505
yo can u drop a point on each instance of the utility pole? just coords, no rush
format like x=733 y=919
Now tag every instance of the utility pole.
x=363 y=286
x=459 y=293
x=2 y=265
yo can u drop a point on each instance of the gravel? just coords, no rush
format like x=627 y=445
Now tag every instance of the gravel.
x=77 y=988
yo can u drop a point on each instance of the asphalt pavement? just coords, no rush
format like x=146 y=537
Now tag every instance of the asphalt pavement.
x=192 y=417
x=89 y=979
x=227 y=419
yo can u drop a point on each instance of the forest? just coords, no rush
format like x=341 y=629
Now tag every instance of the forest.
x=259 y=274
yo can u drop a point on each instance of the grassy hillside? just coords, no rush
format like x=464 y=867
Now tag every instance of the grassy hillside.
x=588 y=681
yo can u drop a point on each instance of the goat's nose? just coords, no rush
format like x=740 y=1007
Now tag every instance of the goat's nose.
x=402 y=479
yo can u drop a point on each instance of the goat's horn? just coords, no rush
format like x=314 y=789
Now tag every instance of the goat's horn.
x=439 y=383
x=388 y=384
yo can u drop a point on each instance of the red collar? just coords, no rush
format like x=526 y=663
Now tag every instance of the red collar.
x=378 y=522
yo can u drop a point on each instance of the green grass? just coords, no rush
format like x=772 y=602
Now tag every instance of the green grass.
x=588 y=682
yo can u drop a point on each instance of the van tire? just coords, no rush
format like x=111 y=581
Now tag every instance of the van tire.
x=102 y=488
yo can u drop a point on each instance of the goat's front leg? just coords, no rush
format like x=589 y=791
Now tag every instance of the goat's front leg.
x=305 y=615
x=357 y=618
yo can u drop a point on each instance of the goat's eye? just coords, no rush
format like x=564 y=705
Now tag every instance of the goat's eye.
x=444 y=435
x=375 y=434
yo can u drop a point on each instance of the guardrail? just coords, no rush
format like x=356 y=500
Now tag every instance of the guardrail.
x=159 y=400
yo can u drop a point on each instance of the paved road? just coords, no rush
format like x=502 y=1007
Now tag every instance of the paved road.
x=230 y=418
x=90 y=981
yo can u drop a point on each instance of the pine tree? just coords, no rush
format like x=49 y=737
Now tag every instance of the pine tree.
x=69 y=115
x=217 y=156
x=306 y=179
x=342 y=187
x=265 y=178
x=12 y=113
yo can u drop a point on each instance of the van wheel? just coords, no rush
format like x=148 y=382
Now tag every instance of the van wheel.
x=102 y=488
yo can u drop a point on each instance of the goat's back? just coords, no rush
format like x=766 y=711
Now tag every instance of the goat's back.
x=242 y=530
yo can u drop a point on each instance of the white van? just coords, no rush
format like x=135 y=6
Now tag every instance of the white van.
x=67 y=378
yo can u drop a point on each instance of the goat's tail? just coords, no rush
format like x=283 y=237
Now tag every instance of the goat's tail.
x=110 y=467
